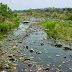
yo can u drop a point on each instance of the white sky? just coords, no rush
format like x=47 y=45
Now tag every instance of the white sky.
x=27 y=4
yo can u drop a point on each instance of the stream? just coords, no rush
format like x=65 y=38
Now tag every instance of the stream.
x=33 y=42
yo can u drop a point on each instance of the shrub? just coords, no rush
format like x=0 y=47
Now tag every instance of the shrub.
x=58 y=29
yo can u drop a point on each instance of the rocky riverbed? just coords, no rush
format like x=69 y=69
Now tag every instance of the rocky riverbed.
x=28 y=49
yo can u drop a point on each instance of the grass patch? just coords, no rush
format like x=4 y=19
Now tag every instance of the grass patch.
x=1 y=37
x=58 y=29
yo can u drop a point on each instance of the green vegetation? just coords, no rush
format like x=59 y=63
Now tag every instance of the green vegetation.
x=58 y=29
x=10 y=65
x=8 y=19
x=1 y=37
x=52 y=13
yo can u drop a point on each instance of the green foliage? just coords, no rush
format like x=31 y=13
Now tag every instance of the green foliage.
x=57 y=13
x=9 y=65
x=58 y=29
x=70 y=17
x=8 y=19
x=1 y=37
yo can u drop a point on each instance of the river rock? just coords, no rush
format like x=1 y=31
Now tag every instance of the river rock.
x=12 y=59
x=67 y=48
x=46 y=69
x=31 y=58
x=59 y=66
x=29 y=64
x=5 y=35
x=42 y=44
x=40 y=59
x=31 y=50
x=26 y=47
x=38 y=52
x=63 y=62
x=26 y=59
x=64 y=57
x=57 y=55
x=58 y=45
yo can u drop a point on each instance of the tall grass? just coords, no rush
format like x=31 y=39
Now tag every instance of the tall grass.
x=58 y=29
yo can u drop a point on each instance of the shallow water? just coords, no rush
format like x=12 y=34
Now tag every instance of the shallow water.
x=49 y=53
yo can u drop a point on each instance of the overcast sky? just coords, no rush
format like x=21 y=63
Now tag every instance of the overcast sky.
x=27 y=4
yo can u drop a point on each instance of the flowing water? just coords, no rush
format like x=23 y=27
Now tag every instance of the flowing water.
x=51 y=56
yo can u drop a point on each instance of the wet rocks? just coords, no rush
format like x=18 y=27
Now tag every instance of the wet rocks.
x=42 y=44
x=31 y=50
x=59 y=66
x=49 y=57
x=67 y=48
x=40 y=59
x=25 y=22
x=27 y=47
x=20 y=42
x=64 y=57
x=46 y=69
x=58 y=45
x=11 y=58
x=38 y=52
x=63 y=62
x=31 y=58
x=5 y=35
x=26 y=59
x=30 y=64
x=57 y=55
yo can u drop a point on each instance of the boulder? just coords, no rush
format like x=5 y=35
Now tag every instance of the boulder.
x=25 y=22
x=58 y=45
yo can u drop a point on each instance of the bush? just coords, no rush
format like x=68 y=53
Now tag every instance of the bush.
x=70 y=17
x=58 y=29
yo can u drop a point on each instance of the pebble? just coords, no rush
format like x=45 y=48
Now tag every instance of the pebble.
x=40 y=59
x=63 y=62
x=26 y=70
x=38 y=52
x=39 y=68
x=53 y=65
x=59 y=66
x=24 y=54
x=61 y=54
x=48 y=65
x=14 y=46
x=31 y=50
x=57 y=55
x=66 y=61
x=27 y=47
x=64 y=57
x=46 y=69
x=70 y=68
x=49 y=57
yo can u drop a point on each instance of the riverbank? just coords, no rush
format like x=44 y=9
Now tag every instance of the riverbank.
x=59 y=31
x=8 y=20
